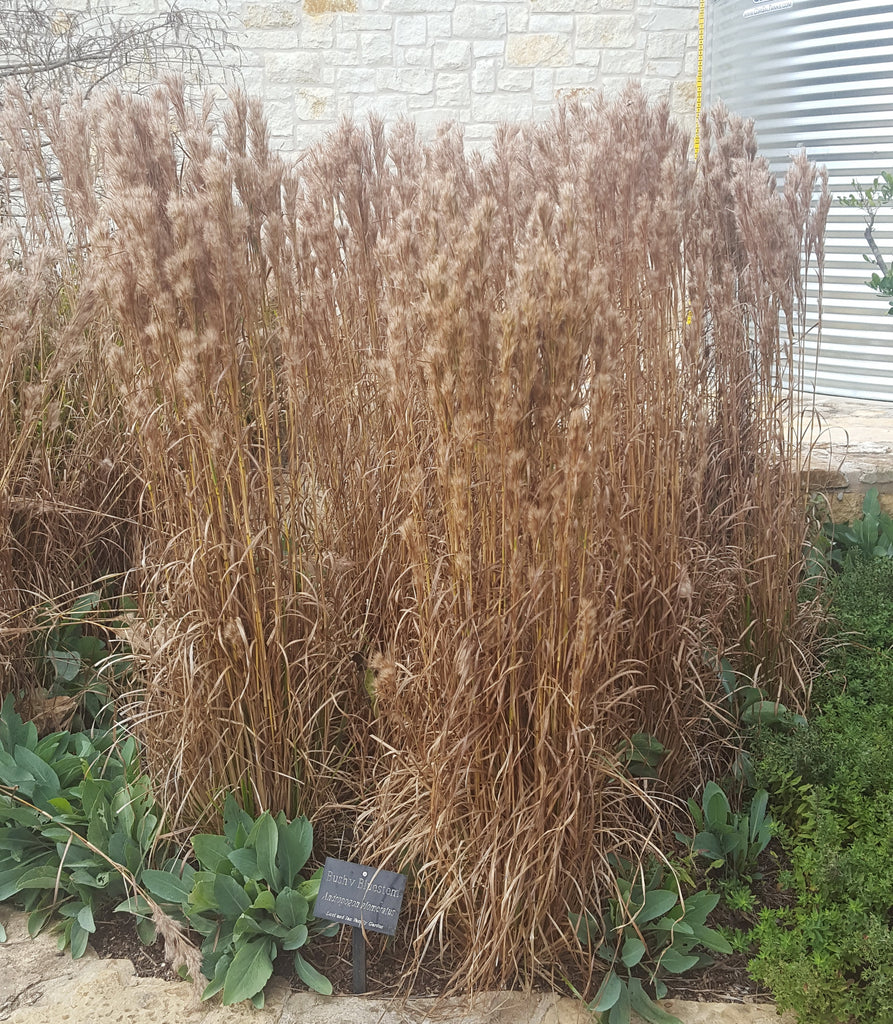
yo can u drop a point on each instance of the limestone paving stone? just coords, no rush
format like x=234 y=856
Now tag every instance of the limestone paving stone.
x=38 y=985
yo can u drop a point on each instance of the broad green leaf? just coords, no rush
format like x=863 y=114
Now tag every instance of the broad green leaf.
x=716 y=806
x=166 y=886
x=311 y=976
x=83 y=605
x=633 y=951
x=619 y=1012
x=758 y=813
x=136 y=905
x=677 y=963
x=699 y=906
x=146 y=931
x=78 y=939
x=706 y=845
x=219 y=977
x=295 y=938
x=249 y=971
x=231 y=898
x=66 y=665
x=607 y=995
x=646 y=1008
x=264 y=839
x=711 y=939
x=233 y=818
x=37 y=919
x=264 y=900
x=657 y=903
x=291 y=908
x=85 y=919
x=245 y=862
x=210 y=850
x=295 y=847
x=3 y=933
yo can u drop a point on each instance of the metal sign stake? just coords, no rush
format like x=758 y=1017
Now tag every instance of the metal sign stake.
x=358 y=948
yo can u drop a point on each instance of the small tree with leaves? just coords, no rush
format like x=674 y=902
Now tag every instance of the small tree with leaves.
x=871 y=200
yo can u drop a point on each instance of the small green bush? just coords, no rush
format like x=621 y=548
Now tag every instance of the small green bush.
x=829 y=956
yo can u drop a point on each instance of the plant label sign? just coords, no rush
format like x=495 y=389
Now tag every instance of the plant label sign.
x=360 y=896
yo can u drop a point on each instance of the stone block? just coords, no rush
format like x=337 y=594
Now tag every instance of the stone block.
x=415 y=6
x=376 y=48
x=405 y=80
x=317 y=8
x=479 y=21
x=560 y=24
x=295 y=67
x=349 y=80
x=661 y=69
x=440 y=26
x=488 y=48
x=514 y=80
x=314 y=104
x=595 y=31
x=318 y=33
x=483 y=75
x=623 y=62
x=412 y=56
x=452 y=89
x=538 y=50
x=452 y=55
x=270 y=15
x=587 y=58
x=666 y=45
x=877 y=476
x=562 y=6
x=677 y=19
x=517 y=17
x=683 y=98
x=543 y=86
x=410 y=30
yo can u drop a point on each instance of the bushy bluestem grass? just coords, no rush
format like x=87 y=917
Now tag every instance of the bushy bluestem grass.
x=443 y=474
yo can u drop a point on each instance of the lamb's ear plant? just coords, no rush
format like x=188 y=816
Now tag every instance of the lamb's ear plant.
x=75 y=812
x=647 y=931
x=248 y=900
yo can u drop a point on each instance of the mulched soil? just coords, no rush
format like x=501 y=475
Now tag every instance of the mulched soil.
x=727 y=980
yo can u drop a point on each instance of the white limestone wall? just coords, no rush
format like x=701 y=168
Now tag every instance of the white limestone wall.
x=475 y=61
x=478 y=62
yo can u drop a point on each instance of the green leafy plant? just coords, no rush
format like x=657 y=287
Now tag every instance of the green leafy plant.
x=75 y=662
x=871 y=536
x=729 y=839
x=248 y=900
x=71 y=807
x=871 y=200
x=648 y=930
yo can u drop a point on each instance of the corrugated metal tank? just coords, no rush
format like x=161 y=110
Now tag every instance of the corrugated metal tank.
x=818 y=74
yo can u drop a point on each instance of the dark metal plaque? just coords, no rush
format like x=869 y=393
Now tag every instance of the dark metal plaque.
x=360 y=896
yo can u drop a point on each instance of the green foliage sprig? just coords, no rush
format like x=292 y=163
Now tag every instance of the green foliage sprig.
x=871 y=200
x=647 y=930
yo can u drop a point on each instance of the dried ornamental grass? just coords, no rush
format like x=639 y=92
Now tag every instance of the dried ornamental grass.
x=448 y=474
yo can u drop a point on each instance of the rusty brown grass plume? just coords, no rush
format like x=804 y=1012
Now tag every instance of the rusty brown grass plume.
x=437 y=475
